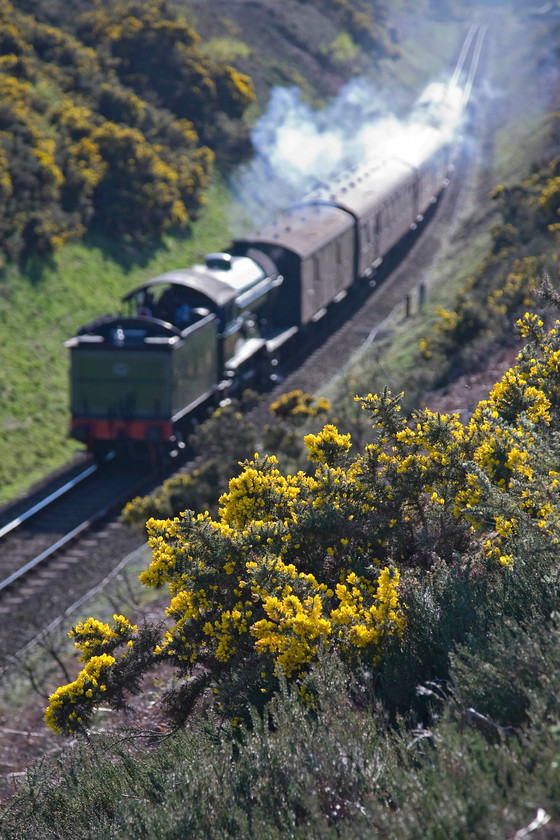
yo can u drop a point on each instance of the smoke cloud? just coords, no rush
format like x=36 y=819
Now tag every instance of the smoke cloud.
x=298 y=149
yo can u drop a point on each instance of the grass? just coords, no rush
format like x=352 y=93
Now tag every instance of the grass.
x=42 y=306
x=226 y=49
x=521 y=119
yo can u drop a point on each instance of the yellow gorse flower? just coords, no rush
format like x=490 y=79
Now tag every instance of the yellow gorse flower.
x=62 y=714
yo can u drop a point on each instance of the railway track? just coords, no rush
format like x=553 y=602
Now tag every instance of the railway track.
x=58 y=547
x=62 y=544
x=16 y=541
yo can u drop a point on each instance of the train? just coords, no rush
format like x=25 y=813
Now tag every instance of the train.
x=194 y=336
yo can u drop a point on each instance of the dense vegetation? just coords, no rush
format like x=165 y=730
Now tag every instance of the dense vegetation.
x=367 y=639
x=111 y=125
x=524 y=249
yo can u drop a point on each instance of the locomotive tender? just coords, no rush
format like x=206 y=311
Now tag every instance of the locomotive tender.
x=193 y=334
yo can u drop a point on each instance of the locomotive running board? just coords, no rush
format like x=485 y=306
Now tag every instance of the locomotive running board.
x=247 y=351
x=272 y=344
x=319 y=314
x=194 y=404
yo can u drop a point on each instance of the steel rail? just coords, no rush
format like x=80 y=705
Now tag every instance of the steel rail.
x=84 y=526
x=67 y=538
x=474 y=64
x=95 y=590
x=463 y=55
x=10 y=526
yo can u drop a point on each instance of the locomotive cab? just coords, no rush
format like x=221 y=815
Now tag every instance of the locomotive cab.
x=237 y=290
x=165 y=302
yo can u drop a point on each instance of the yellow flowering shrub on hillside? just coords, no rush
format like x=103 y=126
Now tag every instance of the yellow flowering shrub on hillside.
x=296 y=564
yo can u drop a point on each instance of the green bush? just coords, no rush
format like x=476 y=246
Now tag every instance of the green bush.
x=387 y=557
x=338 y=770
x=505 y=283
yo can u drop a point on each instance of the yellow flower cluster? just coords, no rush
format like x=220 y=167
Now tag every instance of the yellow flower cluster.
x=487 y=297
x=296 y=406
x=514 y=395
x=328 y=446
x=163 y=557
x=296 y=627
x=259 y=494
x=519 y=283
x=364 y=626
x=64 y=713
x=293 y=630
x=93 y=637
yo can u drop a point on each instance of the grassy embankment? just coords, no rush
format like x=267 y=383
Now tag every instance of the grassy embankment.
x=42 y=308
x=42 y=304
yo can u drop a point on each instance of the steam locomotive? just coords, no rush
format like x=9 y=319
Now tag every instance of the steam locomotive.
x=196 y=334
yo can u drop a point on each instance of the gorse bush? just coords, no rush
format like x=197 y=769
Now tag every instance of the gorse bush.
x=506 y=281
x=158 y=55
x=221 y=442
x=112 y=126
x=342 y=557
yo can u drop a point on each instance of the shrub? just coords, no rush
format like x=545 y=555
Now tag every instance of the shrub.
x=298 y=563
x=104 y=131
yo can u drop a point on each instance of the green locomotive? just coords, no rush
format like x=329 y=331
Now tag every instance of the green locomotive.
x=181 y=339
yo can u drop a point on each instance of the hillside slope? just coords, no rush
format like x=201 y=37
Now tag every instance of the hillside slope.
x=43 y=301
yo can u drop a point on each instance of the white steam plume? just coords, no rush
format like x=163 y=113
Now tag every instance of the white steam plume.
x=298 y=148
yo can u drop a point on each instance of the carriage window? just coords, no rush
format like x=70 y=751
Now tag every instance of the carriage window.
x=363 y=236
x=316 y=270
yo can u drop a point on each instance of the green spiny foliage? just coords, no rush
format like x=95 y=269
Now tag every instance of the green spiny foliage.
x=510 y=275
x=393 y=552
x=336 y=769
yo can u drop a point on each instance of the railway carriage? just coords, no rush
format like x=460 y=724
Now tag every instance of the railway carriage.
x=382 y=199
x=313 y=248
x=433 y=161
x=387 y=198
